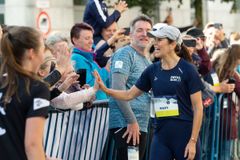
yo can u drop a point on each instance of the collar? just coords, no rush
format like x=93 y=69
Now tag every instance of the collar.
x=86 y=54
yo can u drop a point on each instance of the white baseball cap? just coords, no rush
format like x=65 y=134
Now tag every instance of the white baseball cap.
x=159 y=25
x=166 y=31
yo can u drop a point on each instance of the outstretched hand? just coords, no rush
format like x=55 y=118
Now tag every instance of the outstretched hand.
x=98 y=80
x=119 y=34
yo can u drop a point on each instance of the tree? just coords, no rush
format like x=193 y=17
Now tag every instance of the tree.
x=198 y=6
x=148 y=7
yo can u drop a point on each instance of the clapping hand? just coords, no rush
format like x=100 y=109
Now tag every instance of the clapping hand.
x=121 y=6
x=71 y=78
x=62 y=56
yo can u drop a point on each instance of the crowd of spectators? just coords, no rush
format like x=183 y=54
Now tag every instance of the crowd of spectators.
x=153 y=71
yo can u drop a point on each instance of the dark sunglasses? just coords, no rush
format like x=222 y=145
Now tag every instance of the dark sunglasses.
x=216 y=25
x=190 y=42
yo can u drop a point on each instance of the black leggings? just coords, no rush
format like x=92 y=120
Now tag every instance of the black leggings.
x=170 y=139
x=121 y=147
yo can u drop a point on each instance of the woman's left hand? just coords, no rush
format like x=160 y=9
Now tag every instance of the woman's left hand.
x=190 y=150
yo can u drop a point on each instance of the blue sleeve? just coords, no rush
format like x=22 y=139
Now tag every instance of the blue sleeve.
x=144 y=82
x=194 y=82
x=100 y=58
x=102 y=19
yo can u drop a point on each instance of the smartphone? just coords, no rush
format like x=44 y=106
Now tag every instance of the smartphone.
x=231 y=80
x=52 y=67
x=127 y=31
x=82 y=76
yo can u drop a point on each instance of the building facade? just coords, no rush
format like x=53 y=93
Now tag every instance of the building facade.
x=62 y=14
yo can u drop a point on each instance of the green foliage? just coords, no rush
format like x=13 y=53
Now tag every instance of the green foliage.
x=228 y=0
x=78 y=2
x=147 y=6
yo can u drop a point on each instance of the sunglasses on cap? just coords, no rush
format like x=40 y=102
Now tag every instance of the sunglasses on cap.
x=216 y=25
x=190 y=42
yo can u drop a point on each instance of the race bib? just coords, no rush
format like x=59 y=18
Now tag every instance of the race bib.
x=165 y=106
x=133 y=153
x=215 y=79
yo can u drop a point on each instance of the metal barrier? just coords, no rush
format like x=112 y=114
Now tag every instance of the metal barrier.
x=77 y=134
x=219 y=129
x=208 y=134
x=84 y=134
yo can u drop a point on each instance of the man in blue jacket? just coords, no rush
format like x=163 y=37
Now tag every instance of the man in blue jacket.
x=96 y=15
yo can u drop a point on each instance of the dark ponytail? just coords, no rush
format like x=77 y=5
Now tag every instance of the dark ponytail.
x=14 y=44
x=183 y=52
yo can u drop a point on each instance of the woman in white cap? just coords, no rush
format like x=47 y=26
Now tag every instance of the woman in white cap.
x=176 y=101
